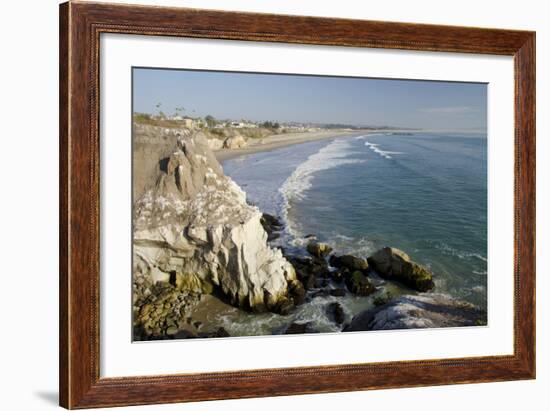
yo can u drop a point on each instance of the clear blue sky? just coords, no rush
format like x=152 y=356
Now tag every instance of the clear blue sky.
x=317 y=99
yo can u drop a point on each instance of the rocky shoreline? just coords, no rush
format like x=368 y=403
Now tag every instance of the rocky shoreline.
x=197 y=241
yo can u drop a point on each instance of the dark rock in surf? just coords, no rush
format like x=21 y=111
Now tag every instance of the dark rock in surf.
x=286 y=306
x=382 y=299
x=319 y=250
x=350 y=262
x=335 y=311
x=307 y=267
x=337 y=292
x=272 y=225
x=302 y=266
x=339 y=275
x=297 y=291
x=325 y=292
x=310 y=282
x=359 y=284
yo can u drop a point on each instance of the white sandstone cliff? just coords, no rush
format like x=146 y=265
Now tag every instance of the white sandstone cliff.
x=194 y=227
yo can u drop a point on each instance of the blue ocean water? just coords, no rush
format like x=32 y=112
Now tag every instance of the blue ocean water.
x=424 y=193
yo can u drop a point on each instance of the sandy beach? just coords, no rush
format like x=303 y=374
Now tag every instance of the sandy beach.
x=288 y=139
x=282 y=140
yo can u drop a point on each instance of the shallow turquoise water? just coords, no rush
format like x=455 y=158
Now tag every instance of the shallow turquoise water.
x=424 y=193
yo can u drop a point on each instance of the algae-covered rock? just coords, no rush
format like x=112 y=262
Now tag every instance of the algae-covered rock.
x=163 y=311
x=394 y=264
x=359 y=284
x=319 y=250
x=285 y=306
x=191 y=283
x=307 y=269
x=382 y=299
x=350 y=262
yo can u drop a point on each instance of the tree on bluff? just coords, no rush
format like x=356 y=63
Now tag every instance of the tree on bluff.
x=210 y=120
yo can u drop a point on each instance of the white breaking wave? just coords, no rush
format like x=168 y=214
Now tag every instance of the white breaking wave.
x=463 y=255
x=364 y=136
x=331 y=156
x=385 y=154
x=343 y=244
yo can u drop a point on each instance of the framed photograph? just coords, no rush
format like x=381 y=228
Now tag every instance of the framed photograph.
x=259 y=205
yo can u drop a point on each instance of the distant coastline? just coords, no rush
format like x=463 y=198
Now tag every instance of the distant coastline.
x=277 y=141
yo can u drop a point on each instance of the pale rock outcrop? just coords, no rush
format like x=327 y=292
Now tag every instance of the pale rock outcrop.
x=195 y=222
x=419 y=311
x=236 y=141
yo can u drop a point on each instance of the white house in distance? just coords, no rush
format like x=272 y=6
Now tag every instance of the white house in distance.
x=241 y=124
x=189 y=122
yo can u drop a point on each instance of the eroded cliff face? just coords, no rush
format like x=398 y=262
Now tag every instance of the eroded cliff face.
x=194 y=229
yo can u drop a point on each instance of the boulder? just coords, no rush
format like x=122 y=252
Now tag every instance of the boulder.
x=195 y=221
x=337 y=292
x=339 y=275
x=382 y=299
x=285 y=306
x=307 y=269
x=335 y=311
x=419 y=311
x=350 y=262
x=272 y=221
x=319 y=250
x=394 y=264
x=234 y=142
x=309 y=282
x=359 y=284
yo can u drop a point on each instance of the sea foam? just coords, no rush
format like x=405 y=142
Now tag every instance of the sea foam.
x=383 y=153
x=333 y=155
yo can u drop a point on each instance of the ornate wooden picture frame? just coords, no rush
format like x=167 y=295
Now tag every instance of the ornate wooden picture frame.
x=81 y=25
